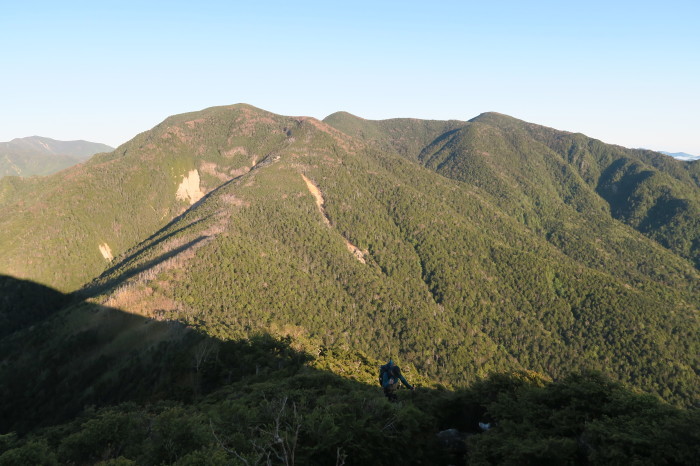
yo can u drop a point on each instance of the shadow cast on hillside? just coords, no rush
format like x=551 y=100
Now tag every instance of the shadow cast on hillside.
x=77 y=354
x=155 y=392
x=23 y=302
x=85 y=366
x=149 y=243
x=97 y=287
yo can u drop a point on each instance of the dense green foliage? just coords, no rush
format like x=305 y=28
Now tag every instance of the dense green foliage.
x=534 y=172
x=269 y=403
x=405 y=136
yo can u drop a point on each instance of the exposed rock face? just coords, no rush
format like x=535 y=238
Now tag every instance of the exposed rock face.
x=318 y=196
x=189 y=188
x=106 y=252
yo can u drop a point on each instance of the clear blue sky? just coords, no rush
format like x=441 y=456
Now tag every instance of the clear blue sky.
x=624 y=72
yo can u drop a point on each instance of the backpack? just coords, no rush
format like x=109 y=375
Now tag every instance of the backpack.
x=390 y=370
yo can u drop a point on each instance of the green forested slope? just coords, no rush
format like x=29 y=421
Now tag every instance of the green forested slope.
x=451 y=281
x=499 y=255
x=122 y=389
x=406 y=136
x=52 y=228
x=655 y=194
x=315 y=254
x=533 y=171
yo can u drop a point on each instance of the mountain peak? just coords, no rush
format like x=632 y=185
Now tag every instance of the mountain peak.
x=343 y=114
x=495 y=117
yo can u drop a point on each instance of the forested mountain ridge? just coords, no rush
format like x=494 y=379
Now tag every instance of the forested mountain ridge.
x=37 y=155
x=390 y=257
x=532 y=170
x=259 y=252
x=406 y=136
x=251 y=250
x=92 y=212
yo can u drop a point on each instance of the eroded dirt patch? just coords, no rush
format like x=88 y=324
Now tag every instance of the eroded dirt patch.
x=106 y=252
x=189 y=188
x=192 y=123
x=316 y=193
x=212 y=169
x=318 y=196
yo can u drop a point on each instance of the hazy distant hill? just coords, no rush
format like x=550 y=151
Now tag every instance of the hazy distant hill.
x=36 y=155
x=682 y=155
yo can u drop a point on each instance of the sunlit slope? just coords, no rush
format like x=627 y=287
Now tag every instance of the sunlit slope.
x=406 y=136
x=63 y=229
x=365 y=249
x=654 y=194
x=562 y=185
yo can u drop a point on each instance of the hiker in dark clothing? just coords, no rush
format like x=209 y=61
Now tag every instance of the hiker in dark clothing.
x=389 y=377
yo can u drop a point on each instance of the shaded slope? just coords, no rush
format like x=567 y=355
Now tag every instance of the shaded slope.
x=78 y=354
x=298 y=411
x=24 y=303
x=83 y=355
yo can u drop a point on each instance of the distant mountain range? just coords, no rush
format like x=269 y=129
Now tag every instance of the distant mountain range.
x=37 y=155
x=682 y=155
